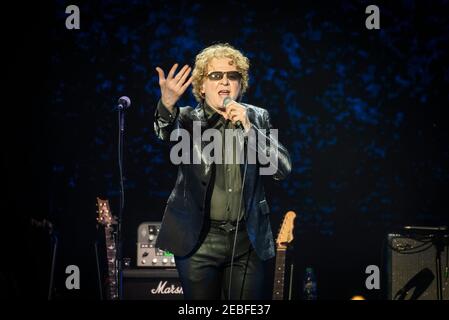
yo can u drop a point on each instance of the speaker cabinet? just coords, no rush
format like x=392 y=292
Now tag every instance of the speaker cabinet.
x=151 y=284
x=412 y=268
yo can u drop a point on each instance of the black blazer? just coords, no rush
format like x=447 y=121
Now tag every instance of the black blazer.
x=184 y=213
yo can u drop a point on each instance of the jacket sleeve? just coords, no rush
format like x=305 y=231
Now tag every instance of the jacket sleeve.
x=164 y=121
x=272 y=148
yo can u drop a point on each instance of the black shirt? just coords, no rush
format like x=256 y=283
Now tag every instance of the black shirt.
x=226 y=181
x=225 y=201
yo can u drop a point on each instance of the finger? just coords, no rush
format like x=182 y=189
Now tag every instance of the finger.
x=228 y=110
x=235 y=118
x=184 y=76
x=231 y=108
x=161 y=74
x=185 y=85
x=235 y=115
x=233 y=112
x=181 y=72
x=223 y=114
x=172 y=71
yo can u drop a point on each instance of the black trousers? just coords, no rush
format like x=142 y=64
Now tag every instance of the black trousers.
x=206 y=274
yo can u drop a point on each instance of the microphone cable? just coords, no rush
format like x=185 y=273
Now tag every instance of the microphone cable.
x=238 y=221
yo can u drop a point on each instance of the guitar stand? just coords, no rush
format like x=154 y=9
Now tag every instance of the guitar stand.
x=290 y=283
x=100 y=286
x=290 y=248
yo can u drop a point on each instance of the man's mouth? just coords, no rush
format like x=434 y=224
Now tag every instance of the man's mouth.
x=224 y=92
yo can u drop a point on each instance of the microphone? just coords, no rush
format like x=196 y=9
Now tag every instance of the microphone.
x=227 y=101
x=124 y=102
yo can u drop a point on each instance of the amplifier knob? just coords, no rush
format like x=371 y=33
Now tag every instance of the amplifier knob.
x=151 y=237
x=164 y=261
x=173 y=260
x=144 y=261
x=154 y=261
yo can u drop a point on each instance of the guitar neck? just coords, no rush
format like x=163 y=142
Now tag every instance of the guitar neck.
x=279 y=272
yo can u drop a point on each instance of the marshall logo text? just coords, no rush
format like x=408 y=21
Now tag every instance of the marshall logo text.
x=162 y=288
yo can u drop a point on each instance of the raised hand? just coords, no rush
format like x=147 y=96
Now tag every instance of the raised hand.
x=173 y=87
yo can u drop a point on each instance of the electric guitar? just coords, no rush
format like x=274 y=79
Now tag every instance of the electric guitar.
x=285 y=236
x=106 y=219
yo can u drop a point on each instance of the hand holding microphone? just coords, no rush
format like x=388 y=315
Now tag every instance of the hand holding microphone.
x=236 y=113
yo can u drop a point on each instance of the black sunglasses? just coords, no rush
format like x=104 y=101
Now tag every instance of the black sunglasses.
x=218 y=75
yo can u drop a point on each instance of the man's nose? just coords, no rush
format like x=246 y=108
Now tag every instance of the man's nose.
x=225 y=80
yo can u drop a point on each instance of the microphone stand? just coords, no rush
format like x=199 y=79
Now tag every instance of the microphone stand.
x=118 y=263
x=53 y=234
x=54 y=245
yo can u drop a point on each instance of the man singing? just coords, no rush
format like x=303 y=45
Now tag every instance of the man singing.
x=216 y=221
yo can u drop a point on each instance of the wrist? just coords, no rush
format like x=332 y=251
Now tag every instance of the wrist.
x=169 y=106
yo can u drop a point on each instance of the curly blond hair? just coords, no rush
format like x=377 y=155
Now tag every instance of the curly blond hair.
x=219 y=50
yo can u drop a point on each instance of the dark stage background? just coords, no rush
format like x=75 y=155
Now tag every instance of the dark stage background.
x=362 y=112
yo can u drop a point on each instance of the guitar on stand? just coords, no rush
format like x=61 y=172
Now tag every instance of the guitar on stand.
x=106 y=220
x=284 y=238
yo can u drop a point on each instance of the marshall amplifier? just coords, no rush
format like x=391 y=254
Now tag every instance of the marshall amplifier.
x=151 y=284
x=413 y=271
x=147 y=254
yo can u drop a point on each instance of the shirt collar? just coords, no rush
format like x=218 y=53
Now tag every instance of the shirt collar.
x=208 y=110
x=213 y=117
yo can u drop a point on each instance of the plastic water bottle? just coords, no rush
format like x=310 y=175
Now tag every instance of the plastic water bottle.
x=310 y=290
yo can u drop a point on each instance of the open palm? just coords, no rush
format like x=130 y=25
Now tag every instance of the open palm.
x=173 y=86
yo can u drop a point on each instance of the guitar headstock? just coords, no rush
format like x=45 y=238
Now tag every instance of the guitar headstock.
x=285 y=235
x=105 y=217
